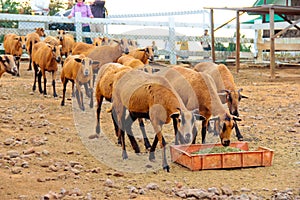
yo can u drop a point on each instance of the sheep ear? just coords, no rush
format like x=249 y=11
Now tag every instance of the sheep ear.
x=141 y=49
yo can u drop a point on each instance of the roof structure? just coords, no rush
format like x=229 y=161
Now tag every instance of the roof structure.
x=282 y=11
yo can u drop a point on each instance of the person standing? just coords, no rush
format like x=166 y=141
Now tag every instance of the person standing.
x=98 y=11
x=40 y=7
x=205 y=41
x=85 y=11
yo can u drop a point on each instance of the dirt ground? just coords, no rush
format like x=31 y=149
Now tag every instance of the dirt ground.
x=45 y=150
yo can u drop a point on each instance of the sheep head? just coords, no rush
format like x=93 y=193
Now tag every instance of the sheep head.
x=86 y=64
x=232 y=99
x=224 y=125
x=8 y=63
x=184 y=123
x=40 y=32
x=55 y=49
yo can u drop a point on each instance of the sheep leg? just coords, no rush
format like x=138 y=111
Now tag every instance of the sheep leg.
x=53 y=84
x=238 y=133
x=87 y=90
x=91 y=97
x=164 y=157
x=78 y=95
x=30 y=63
x=124 y=152
x=40 y=81
x=45 y=83
x=152 y=149
x=73 y=86
x=99 y=103
x=18 y=66
x=146 y=140
x=121 y=137
x=128 y=124
x=203 y=131
x=35 y=76
x=113 y=115
x=64 y=92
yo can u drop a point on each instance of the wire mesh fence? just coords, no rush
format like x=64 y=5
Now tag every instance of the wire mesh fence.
x=174 y=40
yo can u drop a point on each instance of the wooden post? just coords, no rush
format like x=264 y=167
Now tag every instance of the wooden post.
x=237 y=47
x=272 y=44
x=260 y=41
x=213 y=54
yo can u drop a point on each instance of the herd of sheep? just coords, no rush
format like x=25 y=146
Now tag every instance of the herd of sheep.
x=118 y=71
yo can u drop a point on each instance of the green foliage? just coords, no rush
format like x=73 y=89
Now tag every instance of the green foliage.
x=231 y=47
x=9 y=6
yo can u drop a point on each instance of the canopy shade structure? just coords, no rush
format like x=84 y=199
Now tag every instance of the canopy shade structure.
x=282 y=11
x=274 y=2
x=277 y=18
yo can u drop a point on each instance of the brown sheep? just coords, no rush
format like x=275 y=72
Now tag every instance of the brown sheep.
x=45 y=58
x=130 y=61
x=105 y=79
x=225 y=83
x=51 y=40
x=67 y=42
x=144 y=55
x=107 y=75
x=150 y=96
x=82 y=48
x=8 y=64
x=108 y=53
x=198 y=90
x=78 y=70
x=14 y=45
x=31 y=39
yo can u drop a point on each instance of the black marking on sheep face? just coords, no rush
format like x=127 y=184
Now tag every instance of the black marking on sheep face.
x=226 y=125
x=9 y=64
x=150 y=54
x=56 y=53
x=232 y=99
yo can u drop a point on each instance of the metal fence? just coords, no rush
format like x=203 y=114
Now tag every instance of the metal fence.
x=162 y=32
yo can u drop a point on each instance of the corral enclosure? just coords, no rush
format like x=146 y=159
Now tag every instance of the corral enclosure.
x=44 y=148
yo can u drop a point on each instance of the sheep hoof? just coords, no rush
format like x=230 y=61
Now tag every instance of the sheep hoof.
x=241 y=139
x=166 y=168
x=97 y=130
x=152 y=156
x=62 y=103
x=94 y=136
x=124 y=155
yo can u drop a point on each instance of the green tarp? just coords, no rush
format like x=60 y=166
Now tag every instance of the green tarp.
x=276 y=19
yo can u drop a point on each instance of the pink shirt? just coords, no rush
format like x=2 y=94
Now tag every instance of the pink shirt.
x=84 y=9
